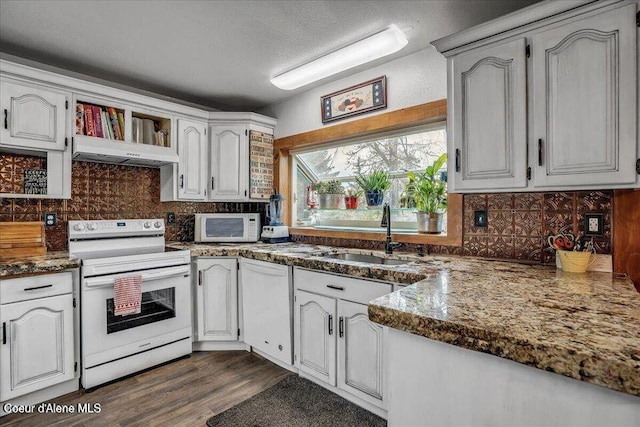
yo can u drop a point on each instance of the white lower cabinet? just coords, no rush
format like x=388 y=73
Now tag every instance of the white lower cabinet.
x=314 y=336
x=38 y=340
x=266 y=308
x=216 y=299
x=360 y=353
x=335 y=342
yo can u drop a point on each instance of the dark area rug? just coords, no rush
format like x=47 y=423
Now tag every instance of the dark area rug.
x=296 y=401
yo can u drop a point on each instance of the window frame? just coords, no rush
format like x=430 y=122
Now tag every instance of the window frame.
x=285 y=171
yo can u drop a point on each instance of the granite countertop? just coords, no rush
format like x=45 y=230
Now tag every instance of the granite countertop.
x=49 y=263
x=583 y=326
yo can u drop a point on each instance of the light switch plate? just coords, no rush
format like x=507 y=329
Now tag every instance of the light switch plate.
x=594 y=224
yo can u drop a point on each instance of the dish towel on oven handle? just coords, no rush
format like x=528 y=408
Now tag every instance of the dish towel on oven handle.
x=127 y=295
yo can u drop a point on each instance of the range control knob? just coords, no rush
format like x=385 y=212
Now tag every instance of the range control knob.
x=79 y=227
x=147 y=224
x=157 y=224
x=92 y=226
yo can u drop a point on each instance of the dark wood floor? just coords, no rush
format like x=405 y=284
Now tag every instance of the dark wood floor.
x=183 y=393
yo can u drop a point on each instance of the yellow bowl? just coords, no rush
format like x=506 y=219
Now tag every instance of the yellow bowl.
x=575 y=262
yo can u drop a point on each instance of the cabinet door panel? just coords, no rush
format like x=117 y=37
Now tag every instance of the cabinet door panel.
x=192 y=175
x=489 y=132
x=315 y=336
x=40 y=348
x=360 y=353
x=217 y=300
x=35 y=117
x=228 y=163
x=584 y=75
x=266 y=308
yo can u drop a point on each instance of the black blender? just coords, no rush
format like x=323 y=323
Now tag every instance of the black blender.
x=276 y=231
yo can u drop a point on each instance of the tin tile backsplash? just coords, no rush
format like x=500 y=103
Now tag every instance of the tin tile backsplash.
x=517 y=223
x=102 y=191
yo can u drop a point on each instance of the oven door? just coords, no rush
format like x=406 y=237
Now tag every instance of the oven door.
x=165 y=314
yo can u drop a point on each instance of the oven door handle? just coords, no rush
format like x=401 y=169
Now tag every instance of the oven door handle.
x=146 y=277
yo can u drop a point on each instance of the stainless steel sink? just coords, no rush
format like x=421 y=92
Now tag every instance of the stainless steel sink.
x=370 y=259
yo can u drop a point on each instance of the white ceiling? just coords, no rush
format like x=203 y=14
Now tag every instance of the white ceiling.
x=219 y=54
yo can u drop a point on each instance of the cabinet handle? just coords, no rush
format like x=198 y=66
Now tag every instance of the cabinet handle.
x=457 y=160
x=200 y=278
x=341 y=327
x=540 y=152
x=339 y=288
x=330 y=324
x=182 y=181
x=212 y=181
x=6 y=120
x=38 y=287
x=4 y=332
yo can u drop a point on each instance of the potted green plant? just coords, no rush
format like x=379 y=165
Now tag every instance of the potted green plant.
x=430 y=195
x=330 y=194
x=374 y=185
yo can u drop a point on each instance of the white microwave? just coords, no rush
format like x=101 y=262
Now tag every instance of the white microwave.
x=227 y=227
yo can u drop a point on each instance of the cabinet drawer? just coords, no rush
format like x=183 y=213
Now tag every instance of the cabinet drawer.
x=32 y=287
x=341 y=287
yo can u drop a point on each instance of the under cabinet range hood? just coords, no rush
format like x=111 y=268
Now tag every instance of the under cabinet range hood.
x=122 y=152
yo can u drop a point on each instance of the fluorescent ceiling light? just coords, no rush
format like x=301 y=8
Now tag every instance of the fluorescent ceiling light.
x=376 y=46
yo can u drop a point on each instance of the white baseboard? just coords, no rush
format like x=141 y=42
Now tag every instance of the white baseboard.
x=219 y=346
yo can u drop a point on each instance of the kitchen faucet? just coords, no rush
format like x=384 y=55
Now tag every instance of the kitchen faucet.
x=389 y=246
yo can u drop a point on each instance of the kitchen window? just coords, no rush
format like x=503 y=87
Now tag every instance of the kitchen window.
x=397 y=153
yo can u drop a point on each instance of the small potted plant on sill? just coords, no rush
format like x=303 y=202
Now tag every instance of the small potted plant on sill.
x=330 y=194
x=374 y=186
x=351 y=199
x=430 y=194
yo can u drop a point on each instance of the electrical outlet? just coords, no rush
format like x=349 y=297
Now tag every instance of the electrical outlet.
x=594 y=224
x=50 y=219
x=480 y=219
x=171 y=217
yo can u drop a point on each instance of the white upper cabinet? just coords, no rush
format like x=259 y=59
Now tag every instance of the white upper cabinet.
x=489 y=130
x=229 y=166
x=547 y=101
x=584 y=100
x=33 y=116
x=192 y=166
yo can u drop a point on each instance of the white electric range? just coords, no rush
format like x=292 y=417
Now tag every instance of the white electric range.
x=115 y=346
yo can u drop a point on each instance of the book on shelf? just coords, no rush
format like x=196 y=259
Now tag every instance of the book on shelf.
x=121 y=122
x=115 y=124
x=97 y=121
x=88 y=121
x=79 y=119
x=148 y=131
x=136 y=130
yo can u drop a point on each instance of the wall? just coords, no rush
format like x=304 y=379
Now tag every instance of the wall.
x=411 y=80
x=518 y=225
x=101 y=191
